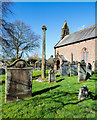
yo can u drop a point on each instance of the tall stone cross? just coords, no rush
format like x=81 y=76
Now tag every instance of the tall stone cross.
x=43 y=54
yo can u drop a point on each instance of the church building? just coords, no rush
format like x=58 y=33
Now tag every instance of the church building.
x=80 y=45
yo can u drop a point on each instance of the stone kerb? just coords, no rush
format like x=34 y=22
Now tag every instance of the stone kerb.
x=81 y=71
x=73 y=69
x=18 y=83
x=52 y=75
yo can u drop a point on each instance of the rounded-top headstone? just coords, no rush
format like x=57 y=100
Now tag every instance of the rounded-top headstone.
x=44 y=27
x=82 y=62
x=20 y=64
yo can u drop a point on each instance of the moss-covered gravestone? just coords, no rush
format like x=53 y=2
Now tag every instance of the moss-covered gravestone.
x=81 y=71
x=18 y=83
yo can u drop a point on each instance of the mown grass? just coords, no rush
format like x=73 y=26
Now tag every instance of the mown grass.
x=54 y=100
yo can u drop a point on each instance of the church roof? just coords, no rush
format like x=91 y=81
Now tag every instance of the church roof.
x=82 y=35
x=63 y=57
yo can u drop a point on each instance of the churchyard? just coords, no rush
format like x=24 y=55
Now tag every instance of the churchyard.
x=53 y=100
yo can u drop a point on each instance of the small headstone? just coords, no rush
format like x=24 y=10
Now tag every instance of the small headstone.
x=64 y=69
x=89 y=70
x=18 y=84
x=83 y=93
x=37 y=65
x=81 y=71
x=52 y=75
x=73 y=69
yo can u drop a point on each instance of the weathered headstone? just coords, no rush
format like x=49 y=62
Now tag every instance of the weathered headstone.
x=52 y=76
x=88 y=70
x=64 y=69
x=96 y=65
x=18 y=84
x=83 y=93
x=81 y=71
x=37 y=65
x=73 y=69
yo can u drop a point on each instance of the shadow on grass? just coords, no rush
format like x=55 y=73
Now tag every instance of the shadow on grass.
x=60 y=80
x=44 y=90
x=92 y=78
x=92 y=96
x=57 y=75
x=35 y=77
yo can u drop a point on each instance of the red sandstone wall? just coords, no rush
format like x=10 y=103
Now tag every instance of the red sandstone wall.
x=96 y=49
x=76 y=49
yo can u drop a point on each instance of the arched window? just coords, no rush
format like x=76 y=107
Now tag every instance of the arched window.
x=85 y=54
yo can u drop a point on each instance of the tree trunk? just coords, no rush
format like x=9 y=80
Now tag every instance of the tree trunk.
x=17 y=53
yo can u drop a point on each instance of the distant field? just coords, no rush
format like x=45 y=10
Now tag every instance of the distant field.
x=54 y=100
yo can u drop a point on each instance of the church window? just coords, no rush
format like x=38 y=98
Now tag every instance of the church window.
x=85 y=54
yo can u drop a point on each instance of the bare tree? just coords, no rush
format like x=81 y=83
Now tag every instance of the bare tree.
x=5 y=8
x=5 y=11
x=18 y=39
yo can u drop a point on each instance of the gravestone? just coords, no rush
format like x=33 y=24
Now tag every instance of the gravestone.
x=64 y=69
x=81 y=71
x=52 y=75
x=18 y=84
x=37 y=65
x=89 y=70
x=83 y=93
x=96 y=65
x=73 y=69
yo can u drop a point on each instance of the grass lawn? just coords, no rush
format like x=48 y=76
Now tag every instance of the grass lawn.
x=54 y=100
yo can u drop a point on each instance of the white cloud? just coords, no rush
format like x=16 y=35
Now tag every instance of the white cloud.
x=83 y=26
x=80 y=28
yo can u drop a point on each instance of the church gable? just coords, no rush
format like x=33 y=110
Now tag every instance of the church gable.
x=79 y=36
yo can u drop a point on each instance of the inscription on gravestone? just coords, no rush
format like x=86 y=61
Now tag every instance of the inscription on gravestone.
x=64 y=69
x=81 y=71
x=18 y=84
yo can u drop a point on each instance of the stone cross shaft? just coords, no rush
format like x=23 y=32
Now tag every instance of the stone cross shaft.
x=43 y=53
